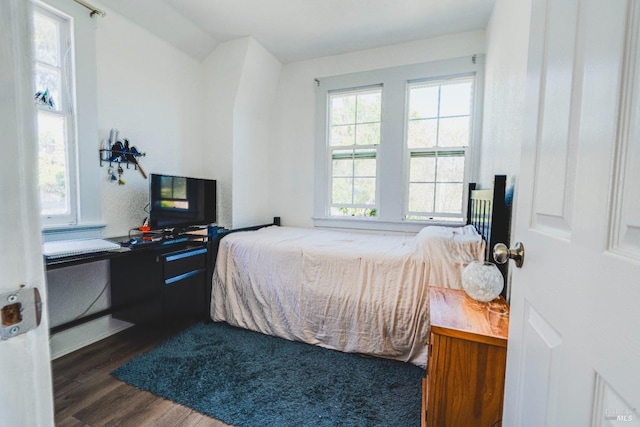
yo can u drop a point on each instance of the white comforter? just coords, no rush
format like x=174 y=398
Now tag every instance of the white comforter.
x=351 y=292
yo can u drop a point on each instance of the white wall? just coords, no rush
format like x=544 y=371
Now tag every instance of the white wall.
x=153 y=94
x=252 y=121
x=241 y=80
x=505 y=78
x=291 y=156
x=222 y=70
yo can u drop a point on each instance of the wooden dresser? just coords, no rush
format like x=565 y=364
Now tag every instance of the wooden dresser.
x=464 y=385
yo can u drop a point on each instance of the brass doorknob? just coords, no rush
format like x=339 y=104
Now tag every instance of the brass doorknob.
x=501 y=253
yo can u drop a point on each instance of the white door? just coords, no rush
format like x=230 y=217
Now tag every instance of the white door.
x=574 y=339
x=25 y=370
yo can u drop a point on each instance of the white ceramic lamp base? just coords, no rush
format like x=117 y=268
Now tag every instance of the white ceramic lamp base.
x=482 y=281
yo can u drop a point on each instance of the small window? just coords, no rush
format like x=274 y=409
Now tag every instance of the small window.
x=54 y=97
x=437 y=141
x=353 y=139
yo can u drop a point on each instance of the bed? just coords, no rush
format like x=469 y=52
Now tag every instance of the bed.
x=348 y=291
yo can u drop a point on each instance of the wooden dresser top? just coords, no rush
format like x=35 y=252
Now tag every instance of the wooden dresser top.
x=453 y=313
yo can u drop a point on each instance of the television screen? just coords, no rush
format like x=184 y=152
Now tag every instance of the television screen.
x=178 y=201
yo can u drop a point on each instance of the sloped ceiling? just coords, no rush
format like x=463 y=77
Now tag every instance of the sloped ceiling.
x=295 y=30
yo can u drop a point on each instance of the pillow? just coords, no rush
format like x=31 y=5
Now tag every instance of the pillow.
x=447 y=251
x=466 y=233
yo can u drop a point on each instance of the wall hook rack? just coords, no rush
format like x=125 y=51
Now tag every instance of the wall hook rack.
x=121 y=153
x=119 y=156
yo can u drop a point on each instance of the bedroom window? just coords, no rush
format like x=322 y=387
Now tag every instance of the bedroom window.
x=56 y=128
x=354 y=136
x=395 y=146
x=437 y=141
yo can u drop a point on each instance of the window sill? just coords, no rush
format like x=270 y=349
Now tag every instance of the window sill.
x=52 y=233
x=378 y=225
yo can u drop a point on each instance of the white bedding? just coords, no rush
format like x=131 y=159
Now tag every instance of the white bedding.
x=352 y=292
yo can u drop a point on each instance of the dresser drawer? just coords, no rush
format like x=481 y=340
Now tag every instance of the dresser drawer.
x=182 y=264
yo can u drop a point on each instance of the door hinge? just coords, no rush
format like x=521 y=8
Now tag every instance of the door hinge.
x=20 y=312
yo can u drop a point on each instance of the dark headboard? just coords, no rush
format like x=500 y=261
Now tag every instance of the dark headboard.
x=489 y=214
x=215 y=234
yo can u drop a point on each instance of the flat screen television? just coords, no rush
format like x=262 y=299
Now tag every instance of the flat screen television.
x=179 y=202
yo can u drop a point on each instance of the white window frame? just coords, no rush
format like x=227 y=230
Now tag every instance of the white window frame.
x=392 y=171
x=89 y=175
x=65 y=108
x=332 y=148
x=446 y=217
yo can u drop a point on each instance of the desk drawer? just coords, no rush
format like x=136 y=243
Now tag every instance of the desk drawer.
x=184 y=295
x=182 y=264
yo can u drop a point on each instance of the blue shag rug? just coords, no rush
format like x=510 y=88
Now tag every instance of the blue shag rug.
x=246 y=379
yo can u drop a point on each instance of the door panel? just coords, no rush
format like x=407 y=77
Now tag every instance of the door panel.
x=574 y=350
x=539 y=362
x=610 y=409
x=555 y=160
x=625 y=239
x=26 y=396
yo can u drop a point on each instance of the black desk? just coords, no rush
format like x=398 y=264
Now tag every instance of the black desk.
x=152 y=280
x=55 y=263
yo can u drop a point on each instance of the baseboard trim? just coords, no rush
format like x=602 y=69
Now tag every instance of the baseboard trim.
x=75 y=338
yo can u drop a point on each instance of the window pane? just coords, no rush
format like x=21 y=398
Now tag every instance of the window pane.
x=49 y=78
x=455 y=99
x=421 y=197
x=423 y=102
x=53 y=175
x=449 y=198
x=355 y=122
x=46 y=33
x=422 y=133
x=341 y=192
x=368 y=134
x=355 y=118
x=343 y=109
x=342 y=167
x=342 y=211
x=364 y=191
x=369 y=107
x=354 y=177
x=342 y=135
x=441 y=140
x=422 y=169
x=451 y=169
x=454 y=132
x=365 y=167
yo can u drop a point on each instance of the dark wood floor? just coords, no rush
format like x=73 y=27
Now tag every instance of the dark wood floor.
x=85 y=394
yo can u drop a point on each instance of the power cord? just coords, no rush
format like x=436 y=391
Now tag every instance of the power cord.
x=106 y=285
